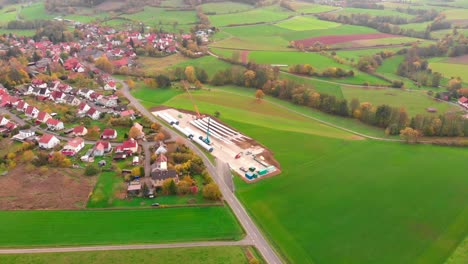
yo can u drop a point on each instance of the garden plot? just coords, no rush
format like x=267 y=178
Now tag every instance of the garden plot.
x=226 y=144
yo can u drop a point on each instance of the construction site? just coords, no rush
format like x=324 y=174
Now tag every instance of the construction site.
x=244 y=156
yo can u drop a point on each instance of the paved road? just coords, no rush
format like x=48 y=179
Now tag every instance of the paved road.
x=125 y=247
x=252 y=231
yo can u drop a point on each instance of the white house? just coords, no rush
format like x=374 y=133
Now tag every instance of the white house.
x=93 y=113
x=80 y=131
x=3 y=121
x=110 y=86
x=73 y=146
x=83 y=108
x=31 y=111
x=54 y=124
x=48 y=141
x=24 y=134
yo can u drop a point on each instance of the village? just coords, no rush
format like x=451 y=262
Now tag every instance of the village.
x=65 y=104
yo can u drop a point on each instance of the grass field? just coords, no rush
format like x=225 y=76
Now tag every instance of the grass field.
x=355 y=212
x=454 y=14
x=309 y=8
x=35 y=11
x=156 y=65
x=448 y=69
x=373 y=12
x=19 y=32
x=207 y=255
x=8 y=13
x=150 y=98
x=306 y=23
x=41 y=228
x=211 y=64
x=225 y=7
x=356 y=54
x=415 y=102
x=257 y=15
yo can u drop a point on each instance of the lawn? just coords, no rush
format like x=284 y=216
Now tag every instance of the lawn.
x=89 y=227
x=195 y=255
x=225 y=7
x=302 y=23
x=454 y=14
x=35 y=11
x=19 y=32
x=358 y=201
x=150 y=98
x=415 y=102
x=373 y=12
x=257 y=15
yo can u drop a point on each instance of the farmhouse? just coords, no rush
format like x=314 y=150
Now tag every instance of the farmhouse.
x=73 y=146
x=48 y=141
x=109 y=133
x=159 y=176
x=463 y=101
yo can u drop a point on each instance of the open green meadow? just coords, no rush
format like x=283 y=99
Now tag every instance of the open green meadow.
x=257 y=15
x=302 y=23
x=454 y=14
x=448 y=69
x=373 y=12
x=225 y=7
x=354 y=212
x=309 y=8
x=34 y=11
x=19 y=32
x=415 y=102
x=211 y=64
x=8 y=13
x=154 y=17
x=196 y=255
x=90 y=227
x=354 y=55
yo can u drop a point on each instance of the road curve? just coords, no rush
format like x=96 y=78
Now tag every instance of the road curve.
x=125 y=247
x=252 y=231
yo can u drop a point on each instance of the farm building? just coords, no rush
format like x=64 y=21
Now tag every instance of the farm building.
x=48 y=141
x=134 y=188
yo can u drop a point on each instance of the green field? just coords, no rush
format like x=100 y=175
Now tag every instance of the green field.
x=19 y=32
x=211 y=64
x=225 y=7
x=448 y=69
x=302 y=23
x=257 y=15
x=416 y=26
x=149 y=97
x=355 y=212
x=8 y=13
x=196 y=255
x=354 y=55
x=415 y=102
x=454 y=14
x=35 y=11
x=309 y=8
x=89 y=227
x=373 y=12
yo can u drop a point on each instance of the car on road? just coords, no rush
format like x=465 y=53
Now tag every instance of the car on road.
x=155 y=204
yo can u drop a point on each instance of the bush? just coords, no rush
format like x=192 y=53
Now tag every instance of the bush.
x=211 y=192
x=91 y=170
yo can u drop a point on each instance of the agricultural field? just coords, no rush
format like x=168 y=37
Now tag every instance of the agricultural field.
x=93 y=227
x=448 y=68
x=356 y=212
x=415 y=102
x=209 y=63
x=160 y=17
x=8 y=13
x=152 y=65
x=302 y=23
x=34 y=11
x=208 y=255
x=309 y=8
x=225 y=7
x=18 y=32
x=354 y=55
x=373 y=12
x=257 y=15
x=455 y=14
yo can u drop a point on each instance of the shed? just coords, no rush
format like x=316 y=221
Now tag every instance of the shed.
x=102 y=163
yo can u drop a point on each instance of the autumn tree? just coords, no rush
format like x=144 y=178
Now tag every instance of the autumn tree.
x=211 y=192
x=463 y=92
x=159 y=137
x=59 y=160
x=259 y=94
x=136 y=172
x=190 y=74
x=28 y=156
x=169 y=187
x=130 y=83
x=134 y=133
x=104 y=64
x=410 y=135
x=156 y=126
x=249 y=77
x=454 y=84
x=91 y=169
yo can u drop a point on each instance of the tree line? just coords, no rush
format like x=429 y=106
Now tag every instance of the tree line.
x=330 y=72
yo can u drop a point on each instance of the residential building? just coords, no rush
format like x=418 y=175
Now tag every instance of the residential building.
x=54 y=124
x=101 y=148
x=109 y=133
x=48 y=141
x=73 y=146
x=80 y=131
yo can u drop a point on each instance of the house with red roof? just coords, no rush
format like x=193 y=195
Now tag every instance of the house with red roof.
x=129 y=146
x=130 y=113
x=3 y=121
x=83 y=107
x=48 y=141
x=21 y=106
x=463 y=101
x=42 y=117
x=93 y=113
x=54 y=124
x=70 y=64
x=73 y=146
x=109 y=133
x=101 y=147
x=80 y=131
x=31 y=111
x=110 y=86
x=120 y=63
x=57 y=97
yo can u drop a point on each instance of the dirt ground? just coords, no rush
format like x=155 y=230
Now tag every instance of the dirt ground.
x=37 y=188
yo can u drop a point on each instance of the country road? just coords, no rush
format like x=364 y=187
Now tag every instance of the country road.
x=243 y=242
